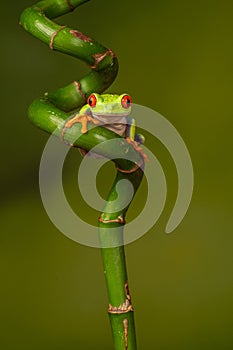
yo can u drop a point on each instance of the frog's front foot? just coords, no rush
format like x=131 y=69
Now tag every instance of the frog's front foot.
x=137 y=148
x=83 y=119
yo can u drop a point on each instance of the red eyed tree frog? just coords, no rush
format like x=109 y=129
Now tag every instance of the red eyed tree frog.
x=112 y=112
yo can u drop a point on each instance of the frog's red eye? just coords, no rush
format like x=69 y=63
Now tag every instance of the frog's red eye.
x=92 y=100
x=126 y=101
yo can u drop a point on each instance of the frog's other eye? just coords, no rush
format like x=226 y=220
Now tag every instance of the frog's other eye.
x=126 y=101
x=92 y=100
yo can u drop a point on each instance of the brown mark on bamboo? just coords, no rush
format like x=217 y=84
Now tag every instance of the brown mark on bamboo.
x=126 y=329
x=78 y=87
x=121 y=309
x=71 y=7
x=135 y=168
x=53 y=37
x=126 y=306
x=127 y=291
x=98 y=57
x=80 y=35
x=119 y=220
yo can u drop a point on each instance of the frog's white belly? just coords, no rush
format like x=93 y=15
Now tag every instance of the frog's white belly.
x=113 y=122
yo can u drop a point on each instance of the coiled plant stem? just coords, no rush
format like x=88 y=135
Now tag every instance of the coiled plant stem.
x=49 y=114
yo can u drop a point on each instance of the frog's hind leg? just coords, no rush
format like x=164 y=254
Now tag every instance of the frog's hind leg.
x=138 y=148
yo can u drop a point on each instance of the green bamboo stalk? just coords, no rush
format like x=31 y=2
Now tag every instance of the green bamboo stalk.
x=49 y=114
x=101 y=60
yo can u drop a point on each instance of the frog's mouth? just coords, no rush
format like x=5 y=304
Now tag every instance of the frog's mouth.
x=111 y=118
x=109 y=115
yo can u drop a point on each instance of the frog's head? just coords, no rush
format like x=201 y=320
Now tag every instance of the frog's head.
x=110 y=105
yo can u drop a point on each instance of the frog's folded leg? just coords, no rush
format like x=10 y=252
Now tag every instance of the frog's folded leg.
x=130 y=132
x=130 y=128
x=135 y=139
x=137 y=148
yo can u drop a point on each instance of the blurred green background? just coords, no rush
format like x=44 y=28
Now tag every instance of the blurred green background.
x=175 y=57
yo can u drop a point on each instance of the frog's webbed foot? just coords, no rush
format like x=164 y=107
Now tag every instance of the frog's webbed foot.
x=83 y=119
x=137 y=148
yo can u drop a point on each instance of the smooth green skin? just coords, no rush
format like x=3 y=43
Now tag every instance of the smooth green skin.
x=109 y=106
x=49 y=114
